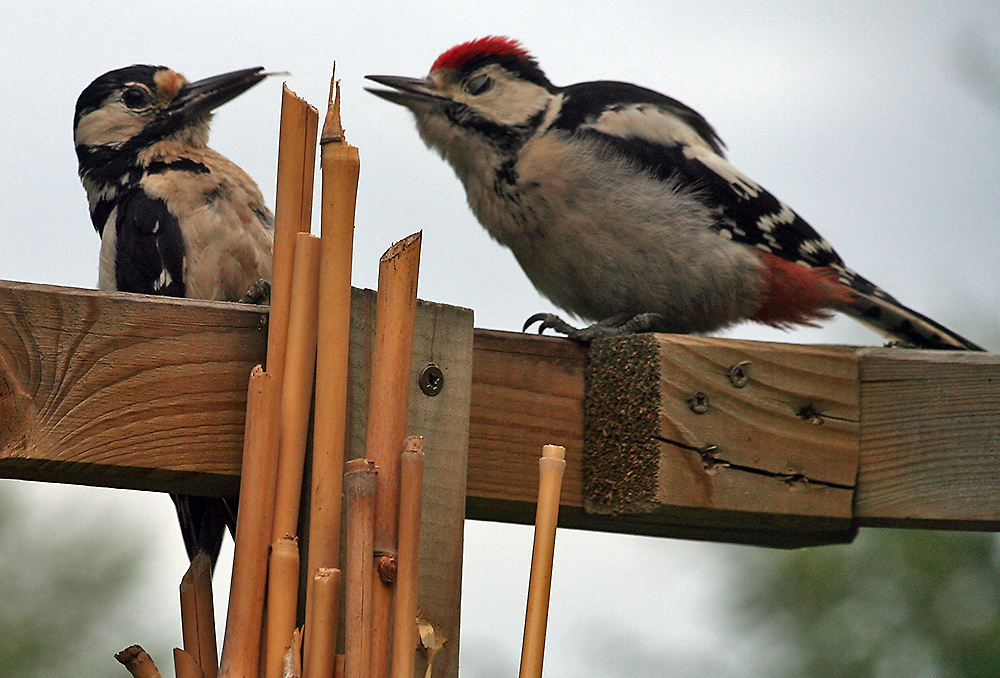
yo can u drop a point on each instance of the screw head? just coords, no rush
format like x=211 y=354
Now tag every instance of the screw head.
x=698 y=402
x=431 y=380
x=739 y=374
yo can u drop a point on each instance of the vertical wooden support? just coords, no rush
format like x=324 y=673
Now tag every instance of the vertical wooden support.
x=442 y=362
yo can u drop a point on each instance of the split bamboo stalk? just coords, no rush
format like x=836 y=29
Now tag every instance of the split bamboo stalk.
x=198 y=615
x=185 y=666
x=282 y=600
x=245 y=617
x=322 y=613
x=392 y=357
x=292 y=662
x=340 y=167
x=138 y=662
x=359 y=507
x=292 y=214
x=550 y=473
x=411 y=479
x=297 y=389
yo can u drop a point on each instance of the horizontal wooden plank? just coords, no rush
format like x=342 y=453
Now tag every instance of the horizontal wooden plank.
x=930 y=439
x=121 y=390
x=148 y=393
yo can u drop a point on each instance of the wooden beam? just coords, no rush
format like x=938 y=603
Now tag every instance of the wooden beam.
x=148 y=393
x=120 y=390
x=930 y=440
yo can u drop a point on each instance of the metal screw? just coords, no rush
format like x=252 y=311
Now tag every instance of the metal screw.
x=431 y=380
x=698 y=402
x=738 y=374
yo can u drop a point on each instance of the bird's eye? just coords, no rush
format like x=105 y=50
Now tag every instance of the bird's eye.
x=135 y=97
x=479 y=84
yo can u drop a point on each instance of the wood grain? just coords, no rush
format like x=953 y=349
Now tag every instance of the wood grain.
x=930 y=439
x=121 y=390
x=670 y=432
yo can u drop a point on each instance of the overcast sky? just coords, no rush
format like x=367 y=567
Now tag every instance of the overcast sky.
x=867 y=118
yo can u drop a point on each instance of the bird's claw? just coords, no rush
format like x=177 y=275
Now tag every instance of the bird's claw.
x=610 y=327
x=549 y=321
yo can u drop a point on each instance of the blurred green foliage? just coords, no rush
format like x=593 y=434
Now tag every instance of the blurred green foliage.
x=63 y=591
x=895 y=603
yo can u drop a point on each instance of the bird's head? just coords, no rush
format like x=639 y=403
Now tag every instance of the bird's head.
x=139 y=105
x=488 y=91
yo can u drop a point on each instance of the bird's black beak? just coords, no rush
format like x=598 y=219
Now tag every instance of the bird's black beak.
x=204 y=96
x=409 y=92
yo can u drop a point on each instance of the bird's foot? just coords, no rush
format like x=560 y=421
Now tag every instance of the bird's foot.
x=609 y=327
x=259 y=293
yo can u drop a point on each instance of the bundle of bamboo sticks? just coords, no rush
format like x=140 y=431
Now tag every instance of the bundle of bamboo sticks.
x=307 y=371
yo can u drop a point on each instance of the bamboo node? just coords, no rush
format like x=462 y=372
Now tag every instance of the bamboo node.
x=387 y=568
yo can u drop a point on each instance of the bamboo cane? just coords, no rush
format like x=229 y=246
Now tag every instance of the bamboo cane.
x=296 y=391
x=282 y=598
x=411 y=477
x=322 y=612
x=185 y=666
x=138 y=663
x=340 y=169
x=392 y=357
x=359 y=505
x=291 y=666
x=550 y=473
x=241 y=647
x=292 y=213
x=198 y=615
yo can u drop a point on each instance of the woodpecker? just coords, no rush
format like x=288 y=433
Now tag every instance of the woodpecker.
x=175 y=217
x=621 y=208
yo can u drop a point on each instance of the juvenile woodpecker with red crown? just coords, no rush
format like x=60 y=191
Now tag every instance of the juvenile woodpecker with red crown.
x=175 y=217
x=620 y=206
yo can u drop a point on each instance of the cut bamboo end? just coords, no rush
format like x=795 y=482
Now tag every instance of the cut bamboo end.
x=554 y=452
x=282 y=603
x=138 y=663
x=185 y=665
x=333 y=129
x=292 y=213
x=551 y=466
x=245 y=617
x=392 y=357
x=322 y=613
x=198 y=615
x=408 y=247
x=291 y=664
x=340 y=170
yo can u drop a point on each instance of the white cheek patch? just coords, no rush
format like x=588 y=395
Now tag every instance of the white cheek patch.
x=511 y=101
x=110 y=125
